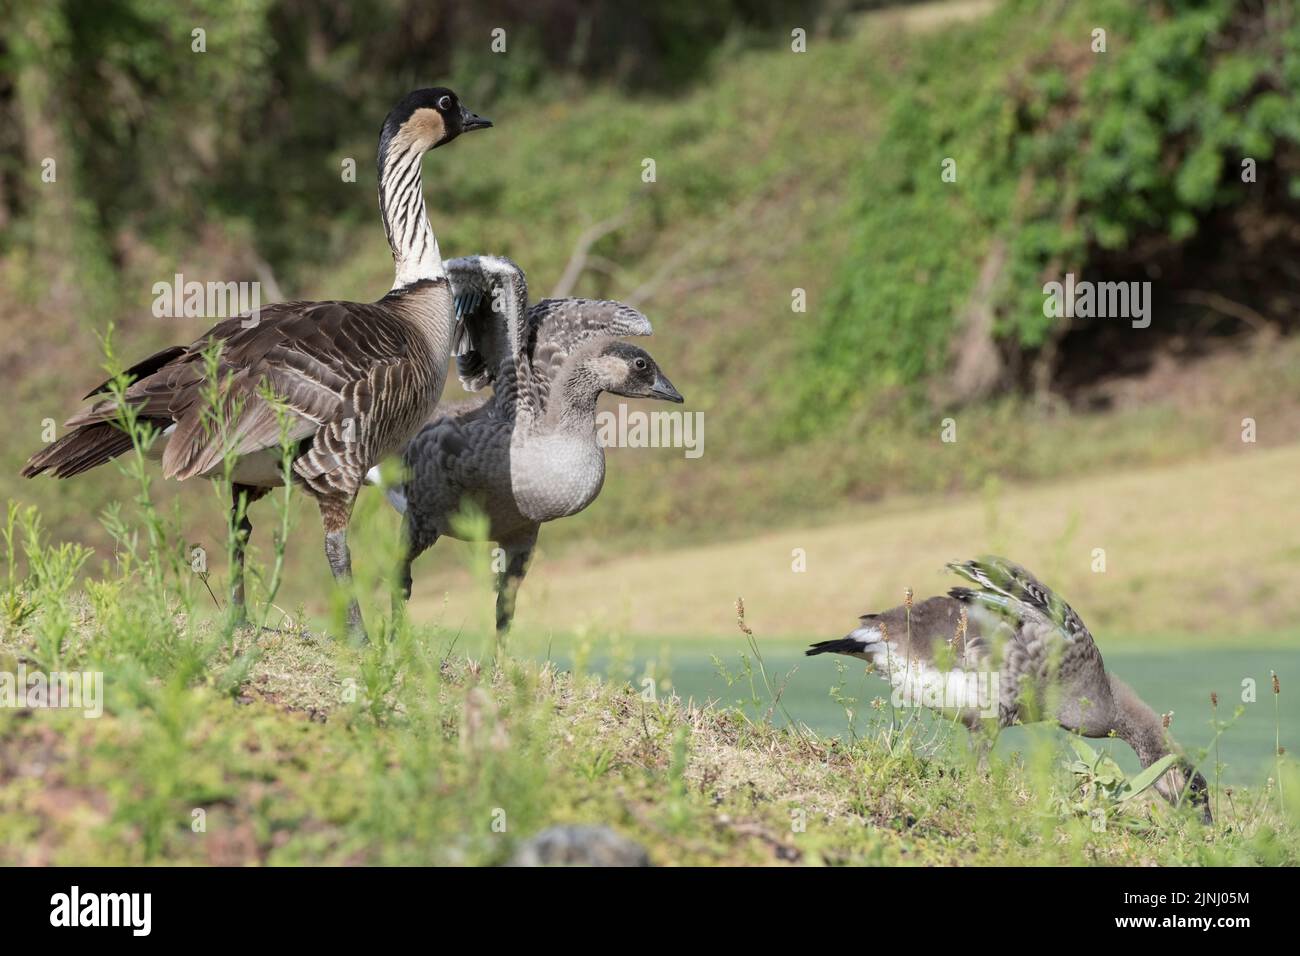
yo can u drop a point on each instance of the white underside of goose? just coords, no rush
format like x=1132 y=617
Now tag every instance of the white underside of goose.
x=920 y=684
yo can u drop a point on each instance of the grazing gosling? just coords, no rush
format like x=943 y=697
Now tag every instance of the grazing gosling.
x=529 y=454
x=1046 y=662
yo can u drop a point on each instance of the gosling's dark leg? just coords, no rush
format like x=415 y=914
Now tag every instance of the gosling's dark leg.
x=518 y=553
x=335 y=512
x=414 y=544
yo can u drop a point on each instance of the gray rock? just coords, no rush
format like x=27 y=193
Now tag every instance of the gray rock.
x=579 y=845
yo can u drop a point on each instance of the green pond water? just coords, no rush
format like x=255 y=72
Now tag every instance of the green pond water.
x=1179 y=681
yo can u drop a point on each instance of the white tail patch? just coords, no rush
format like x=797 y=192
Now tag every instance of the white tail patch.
x=867 y=635
x=396 y=494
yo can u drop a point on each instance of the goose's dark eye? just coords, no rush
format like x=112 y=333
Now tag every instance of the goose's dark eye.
x=444 y=103
x=640 y=364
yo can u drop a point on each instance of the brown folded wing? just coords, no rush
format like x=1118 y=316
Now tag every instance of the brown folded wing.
x=319 y=362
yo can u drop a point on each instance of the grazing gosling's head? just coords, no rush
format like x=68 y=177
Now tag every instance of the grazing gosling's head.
x=1183 y=778
x=426 y=119
x=623 y=369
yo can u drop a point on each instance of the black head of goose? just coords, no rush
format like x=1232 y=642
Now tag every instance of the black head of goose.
x=530 y=453
x=1047 y=666
x=356 y=379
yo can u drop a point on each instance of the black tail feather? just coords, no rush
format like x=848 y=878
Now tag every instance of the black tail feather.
x=843 y=645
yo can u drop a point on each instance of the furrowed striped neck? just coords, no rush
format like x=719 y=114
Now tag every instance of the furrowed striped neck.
x=406 y=222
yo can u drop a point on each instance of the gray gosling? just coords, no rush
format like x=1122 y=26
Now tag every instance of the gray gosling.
x=528 y=454
x=1046 y=661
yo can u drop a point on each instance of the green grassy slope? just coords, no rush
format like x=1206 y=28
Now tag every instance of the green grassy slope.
x=238 y=746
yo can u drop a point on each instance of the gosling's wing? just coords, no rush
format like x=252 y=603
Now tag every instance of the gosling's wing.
x=1050 y=649
x=558 y=327
x=1011 y=590
x=491 y=299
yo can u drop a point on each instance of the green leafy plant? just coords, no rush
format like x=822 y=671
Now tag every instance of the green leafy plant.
x=1102 y=787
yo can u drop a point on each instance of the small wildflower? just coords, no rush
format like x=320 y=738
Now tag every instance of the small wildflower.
x=1214 y=698
x=878 y=703
x=1166 y=720
x=1277 y=687
x=958 y=640
x=884 y=631
x=907 y=598
x=740 y=617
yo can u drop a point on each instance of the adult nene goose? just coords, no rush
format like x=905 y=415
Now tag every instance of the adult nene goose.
x=530 y=453
x=357 y=380
x=1047 y=663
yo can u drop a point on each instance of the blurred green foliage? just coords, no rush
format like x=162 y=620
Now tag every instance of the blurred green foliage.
x=163 y=136
x=1061 y=152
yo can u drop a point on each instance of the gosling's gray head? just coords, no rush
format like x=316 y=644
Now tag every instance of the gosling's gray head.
x=627 y=370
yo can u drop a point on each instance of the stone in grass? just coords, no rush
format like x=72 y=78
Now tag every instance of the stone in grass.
x=577 y=845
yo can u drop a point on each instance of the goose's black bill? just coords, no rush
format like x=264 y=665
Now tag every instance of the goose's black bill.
x=470 y=120
x=663 y=389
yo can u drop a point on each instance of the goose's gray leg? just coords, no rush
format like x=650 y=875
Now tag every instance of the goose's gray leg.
x=335 y=512
x=243 y=528
x=518 y=552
